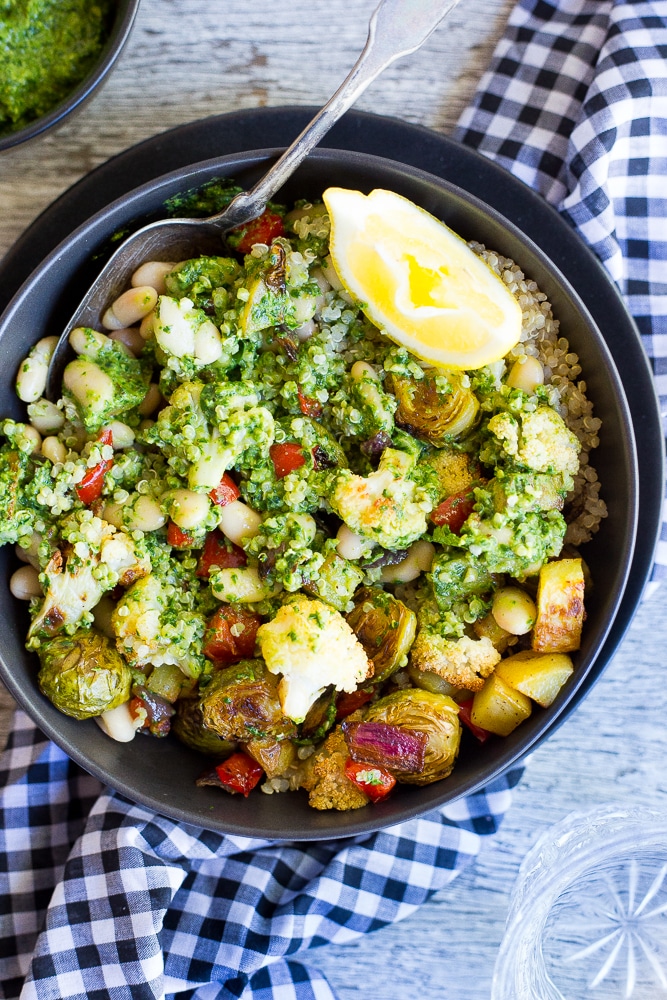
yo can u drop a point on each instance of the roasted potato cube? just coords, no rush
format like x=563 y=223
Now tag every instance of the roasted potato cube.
x=560 y=607
x=538 y=675
x=498 y=708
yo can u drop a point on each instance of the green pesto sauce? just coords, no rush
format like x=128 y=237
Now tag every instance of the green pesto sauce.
x=47 y=47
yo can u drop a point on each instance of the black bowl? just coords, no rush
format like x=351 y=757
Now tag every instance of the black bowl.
x=119 y=32
x=160 y=773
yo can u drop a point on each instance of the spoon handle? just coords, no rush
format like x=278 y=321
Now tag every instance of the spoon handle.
x=396 y=28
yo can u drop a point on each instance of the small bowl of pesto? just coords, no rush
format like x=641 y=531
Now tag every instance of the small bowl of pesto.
x=57 y=52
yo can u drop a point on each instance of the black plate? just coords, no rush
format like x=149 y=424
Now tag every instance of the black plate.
x=471 y=172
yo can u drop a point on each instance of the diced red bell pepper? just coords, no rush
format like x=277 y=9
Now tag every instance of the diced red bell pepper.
x=454 y=511
x=465 y=709
x=346 y=703
x=225 y=492
x=286 y=458
x=178 y=538
x=309 y=407
x=264 y=229
x=90 y=487
x=239 y=773
x=231 y=636
x=219 y=551
x=373 y=781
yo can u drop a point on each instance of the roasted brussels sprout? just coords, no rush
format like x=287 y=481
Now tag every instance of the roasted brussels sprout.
x=241 y=703
x=426 y=712
x=188 y=726
x=438 y=408
x=274 y=756
x=83 y=674
x=384 y=627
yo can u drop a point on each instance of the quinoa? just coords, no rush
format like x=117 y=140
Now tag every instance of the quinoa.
x=540 y=338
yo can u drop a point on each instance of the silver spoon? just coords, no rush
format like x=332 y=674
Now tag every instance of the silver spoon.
x=396 y=28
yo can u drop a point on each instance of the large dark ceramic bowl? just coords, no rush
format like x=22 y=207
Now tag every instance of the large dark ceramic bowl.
x=160 y=773
x=119 y=31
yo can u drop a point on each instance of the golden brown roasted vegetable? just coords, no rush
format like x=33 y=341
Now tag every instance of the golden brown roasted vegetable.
x=241 y=703
x=438 y=408
x=436 y=715
x=560 y=607
x=384 y=627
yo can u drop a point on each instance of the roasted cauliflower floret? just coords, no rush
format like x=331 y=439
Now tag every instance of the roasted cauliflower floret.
x=151 y=627
x=538 y=440
x=387 y=507
x=463 y=663
x=312 y=646
x=325 y=780
x=98 y=557
x=206 y=430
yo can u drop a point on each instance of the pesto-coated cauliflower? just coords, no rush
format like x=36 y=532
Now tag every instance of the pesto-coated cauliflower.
x=387 y=507
x=538 y=440
x=151 y=627
x=98 y=557
x=463 y=663
x=205 y=430
x=312 y=646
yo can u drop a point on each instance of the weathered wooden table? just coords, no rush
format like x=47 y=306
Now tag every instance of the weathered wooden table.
x=188 y=59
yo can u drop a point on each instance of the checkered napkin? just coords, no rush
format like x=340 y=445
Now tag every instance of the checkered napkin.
x=102 y=899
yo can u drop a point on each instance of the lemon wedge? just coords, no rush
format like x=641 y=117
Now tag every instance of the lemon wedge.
x=418 y=281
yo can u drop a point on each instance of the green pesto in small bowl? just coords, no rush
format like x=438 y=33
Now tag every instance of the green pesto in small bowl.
x=48 y=48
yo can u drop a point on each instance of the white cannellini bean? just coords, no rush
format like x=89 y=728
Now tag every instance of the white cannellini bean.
x=526 y=374
x=87 y=342
x=350 y=544
x=330 y=274
x=122 y=435
x=187 y=508
x=54 y=450
x=145 y=514
x=173 y=330
x=119 y=724
x=129 y=337
x=151 y=400
x=418 y=560
x=130 y=307
x=31 y=378
x=514 y=610
x=238 y=521
x=113 y=514
x=24 y=583
x=241 y=584
x=306 y=330
x=45 y=416
x=32 y=435
x=153 y=273
x=88 y=384
x=208 y=343
x=146 y=325
x=361 y=369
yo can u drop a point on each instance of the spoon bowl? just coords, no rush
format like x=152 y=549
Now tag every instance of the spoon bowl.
x=396 y=28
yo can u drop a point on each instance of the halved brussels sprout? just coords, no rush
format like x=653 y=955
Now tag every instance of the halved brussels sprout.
x=438 y=408
x=426 y=712
x=83 y=674
x=188 y=726
x=242 y=703
x=385 y=627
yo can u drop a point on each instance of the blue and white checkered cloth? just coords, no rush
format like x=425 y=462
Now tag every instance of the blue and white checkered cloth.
x=101 y=899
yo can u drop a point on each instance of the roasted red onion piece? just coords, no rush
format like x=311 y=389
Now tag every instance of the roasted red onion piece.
x=391 y=747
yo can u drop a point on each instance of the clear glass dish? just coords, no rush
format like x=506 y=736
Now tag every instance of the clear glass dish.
x=588 y=914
